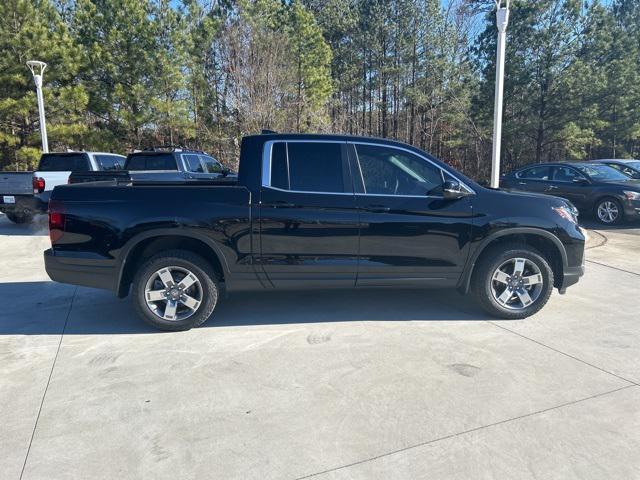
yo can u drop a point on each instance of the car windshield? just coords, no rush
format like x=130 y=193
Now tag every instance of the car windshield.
x=635 y=164
x=601 y=172
x=75 y=162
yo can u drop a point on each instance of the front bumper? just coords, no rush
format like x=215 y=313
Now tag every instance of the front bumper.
x=88 y=272
x=632 y=209
x=570 y=277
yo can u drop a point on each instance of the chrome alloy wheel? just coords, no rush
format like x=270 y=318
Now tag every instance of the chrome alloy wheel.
x=517 y=283
x=173 y=293
x=608 y=211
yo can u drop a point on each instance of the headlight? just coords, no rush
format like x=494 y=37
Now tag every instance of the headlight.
x=567 y=212
x=631 y=195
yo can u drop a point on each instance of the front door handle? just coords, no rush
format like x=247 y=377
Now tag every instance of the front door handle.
x=377 y=208
x=522 y=183
x=552 y=187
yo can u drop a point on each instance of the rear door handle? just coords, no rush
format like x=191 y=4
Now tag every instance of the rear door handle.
x=377 y=208
x=281 y=204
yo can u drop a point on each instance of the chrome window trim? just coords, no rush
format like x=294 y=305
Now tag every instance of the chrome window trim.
x=185 y=168
x=266 y=168
x=442 y=171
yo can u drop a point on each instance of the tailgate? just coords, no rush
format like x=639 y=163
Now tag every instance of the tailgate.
x=16 y=183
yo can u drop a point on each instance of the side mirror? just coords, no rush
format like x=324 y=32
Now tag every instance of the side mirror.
x=452 y=190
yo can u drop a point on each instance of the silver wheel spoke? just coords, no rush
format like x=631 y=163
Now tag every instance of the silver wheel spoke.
x=505 y=296
x=500 y=276
x=170 y=310
x=189 y=302
x=187 y=281
x=532 y=279
x=519 y=266
x=155 y=295
x=524 y=297
x=166 y=278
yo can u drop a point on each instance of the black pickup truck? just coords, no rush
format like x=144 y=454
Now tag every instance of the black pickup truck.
x=313 y=211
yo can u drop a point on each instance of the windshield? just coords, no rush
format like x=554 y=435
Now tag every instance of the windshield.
x=601 y=172
x=635 y=164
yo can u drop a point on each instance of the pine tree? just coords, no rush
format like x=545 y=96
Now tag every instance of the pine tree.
x=34 y=31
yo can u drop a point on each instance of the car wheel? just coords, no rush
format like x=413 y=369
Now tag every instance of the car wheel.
x=512 y=281
x=175 y=290
x=19 y=217
x=608 y=211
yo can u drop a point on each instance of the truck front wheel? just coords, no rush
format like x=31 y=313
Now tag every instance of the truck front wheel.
x=175 y=290
x=512 y=281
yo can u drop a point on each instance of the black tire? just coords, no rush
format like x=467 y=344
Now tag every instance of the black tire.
x=618 y=206
x=482 y=283
x=198 y=266
x=19 y=217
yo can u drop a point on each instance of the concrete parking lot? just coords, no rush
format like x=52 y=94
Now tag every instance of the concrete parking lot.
x=326 y=385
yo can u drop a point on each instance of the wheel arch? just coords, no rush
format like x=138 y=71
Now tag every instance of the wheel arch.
x=542 y=240
x=147 y=244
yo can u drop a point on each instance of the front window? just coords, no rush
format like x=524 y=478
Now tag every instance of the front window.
x=389 y=171
x=601 y=172
x=566 y=174
x=199 y=163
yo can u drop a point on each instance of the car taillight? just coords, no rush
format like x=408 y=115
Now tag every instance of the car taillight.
x=38 y=184
x=57 y=220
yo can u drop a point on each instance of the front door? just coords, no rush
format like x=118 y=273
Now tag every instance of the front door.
x=409 y=234
x=569 y=183
x=308 y=215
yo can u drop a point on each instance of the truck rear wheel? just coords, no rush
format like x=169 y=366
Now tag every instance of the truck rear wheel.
x=512 y=281
x=19 y=217
x=175 y=290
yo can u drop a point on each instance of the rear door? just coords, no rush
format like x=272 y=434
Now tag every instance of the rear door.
x=308 y=216
x=410 y=235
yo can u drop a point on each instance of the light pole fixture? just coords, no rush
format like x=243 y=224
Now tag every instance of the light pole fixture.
x=502 y=20
x=37 y=70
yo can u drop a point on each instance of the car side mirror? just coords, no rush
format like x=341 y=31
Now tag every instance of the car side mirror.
x=452 y=190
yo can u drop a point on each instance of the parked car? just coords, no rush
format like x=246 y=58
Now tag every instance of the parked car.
x=166 y=164
x=629 y=167
x=313 y=211
x=24 y=194
x=597 y=189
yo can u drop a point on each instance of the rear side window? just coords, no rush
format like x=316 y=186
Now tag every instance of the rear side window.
x=151 y=162
x=64 y=163
x=308 y=167
x=536 y=173
x=110 y=162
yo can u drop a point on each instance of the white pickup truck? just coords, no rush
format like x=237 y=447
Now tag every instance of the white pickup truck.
x=25 y=194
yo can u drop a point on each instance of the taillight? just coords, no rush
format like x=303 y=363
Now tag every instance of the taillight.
x=38 y=184
x=56 y=220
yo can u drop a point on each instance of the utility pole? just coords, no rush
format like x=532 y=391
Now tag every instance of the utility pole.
x=502 y=20
x=37 y=70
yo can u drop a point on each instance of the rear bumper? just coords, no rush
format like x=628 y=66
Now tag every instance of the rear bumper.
x=88 y=272
x=27 y=204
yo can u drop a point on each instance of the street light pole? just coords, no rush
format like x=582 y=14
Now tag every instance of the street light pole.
x=37 y=70
x=502 y=20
